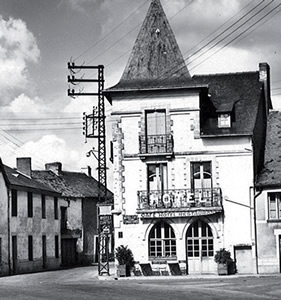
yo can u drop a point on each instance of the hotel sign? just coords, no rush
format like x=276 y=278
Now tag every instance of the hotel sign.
x=177 y=214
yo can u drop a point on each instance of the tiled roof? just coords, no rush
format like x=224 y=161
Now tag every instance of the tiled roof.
x=240 y=91
x=270 y=176
x=16 y=179
x=70 y=184
x=156 y=59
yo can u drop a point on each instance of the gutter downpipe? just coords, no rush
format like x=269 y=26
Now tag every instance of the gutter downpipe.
x=9 y=231
x=255 y=227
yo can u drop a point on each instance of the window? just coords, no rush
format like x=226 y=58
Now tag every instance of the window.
x=155 y=122
x=43 y=206
x=56 y=246
x=162 y=241
x=55 y=208
x=201 y=175
x=63 y=218
x=200 y=241
x=274 y=206
x=30 y=248
x=157 y=177
x=156 y=138
x=224 y=120
x=44 y=251
x=14 y=254
x=14 y=203
x=111 y=152
x=0 y=251
x=29 y=205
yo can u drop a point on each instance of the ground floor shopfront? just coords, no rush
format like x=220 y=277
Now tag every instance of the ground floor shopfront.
x=169 y=245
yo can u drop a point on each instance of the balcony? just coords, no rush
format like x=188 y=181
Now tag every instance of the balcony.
x=179 y=202
x=150 y=145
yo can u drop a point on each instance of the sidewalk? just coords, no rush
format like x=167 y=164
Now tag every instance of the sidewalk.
x=113 y=276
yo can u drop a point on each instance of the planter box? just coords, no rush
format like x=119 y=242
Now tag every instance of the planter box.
x=222 y=269
x=123 y=271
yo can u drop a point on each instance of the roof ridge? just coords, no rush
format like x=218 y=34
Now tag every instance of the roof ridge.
x=156 y=54
x=229 y=73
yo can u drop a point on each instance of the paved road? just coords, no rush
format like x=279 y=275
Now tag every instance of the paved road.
x=83 y=283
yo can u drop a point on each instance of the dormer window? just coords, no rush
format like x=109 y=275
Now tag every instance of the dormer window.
x=224 y=120
x=226 y=114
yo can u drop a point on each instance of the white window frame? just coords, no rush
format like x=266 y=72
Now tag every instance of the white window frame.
x=277 y=205
x=224 y=120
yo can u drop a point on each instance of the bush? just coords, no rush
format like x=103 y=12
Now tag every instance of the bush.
x=124 y=256
x=222 y=256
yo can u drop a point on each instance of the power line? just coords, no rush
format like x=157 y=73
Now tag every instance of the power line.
x=40 y=124
x=229 y=34
x=178 y=70
x=116 y=42
x=15 y=144
x=218 y=28
x=44 y=129
x=109 y=33
x=37 y=119
x=112 y=62
x=229 y=27
x=237 y=36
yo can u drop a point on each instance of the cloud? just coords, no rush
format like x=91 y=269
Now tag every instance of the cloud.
x=48 y=148
x=18 y=47
x=25 y=104
x=80 y=105
x=82 y=5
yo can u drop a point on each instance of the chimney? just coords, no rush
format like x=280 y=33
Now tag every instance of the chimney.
x=56 y=167
x=264 y=76
x=24 y=165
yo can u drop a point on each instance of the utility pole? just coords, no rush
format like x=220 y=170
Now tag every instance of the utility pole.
x=94 y=127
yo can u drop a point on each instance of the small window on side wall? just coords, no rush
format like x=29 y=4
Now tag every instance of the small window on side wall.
x=274 y=206
x=224 y=120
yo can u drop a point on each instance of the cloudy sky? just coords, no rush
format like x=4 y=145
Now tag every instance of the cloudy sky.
x=39 y=37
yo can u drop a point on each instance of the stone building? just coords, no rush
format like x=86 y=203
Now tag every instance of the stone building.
x=48 y=218
x=267 y=201
x=187 y=151
x=29 y=224
x=78 y=212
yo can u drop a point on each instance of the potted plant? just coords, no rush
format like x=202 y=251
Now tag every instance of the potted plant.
x=125 y=259
x=224 y=260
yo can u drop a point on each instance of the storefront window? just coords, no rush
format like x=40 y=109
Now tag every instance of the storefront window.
x=162 y=241
x=200 y=241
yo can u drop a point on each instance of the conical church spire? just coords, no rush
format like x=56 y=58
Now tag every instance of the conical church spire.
x=156 y=59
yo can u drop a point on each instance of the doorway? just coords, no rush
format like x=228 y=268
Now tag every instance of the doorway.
x=244 y=259
x=200 y=248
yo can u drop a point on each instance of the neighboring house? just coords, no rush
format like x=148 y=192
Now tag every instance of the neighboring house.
x=187 y=151
x=29 y=224
x=268 y=200
x=78 y=212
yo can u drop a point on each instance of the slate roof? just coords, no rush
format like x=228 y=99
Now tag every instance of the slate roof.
x=270 y=176
x=18 y=180
x=156 y=59
x=70 y=184
x=241 y=92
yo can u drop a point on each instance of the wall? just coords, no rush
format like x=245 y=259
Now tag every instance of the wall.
x=4 y=263
x=89 y=212
x=22 y=227
x=232 y=171
x=268 y=232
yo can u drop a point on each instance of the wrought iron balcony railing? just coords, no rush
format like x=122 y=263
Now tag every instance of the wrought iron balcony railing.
x=155 y=144
x=180 y=198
